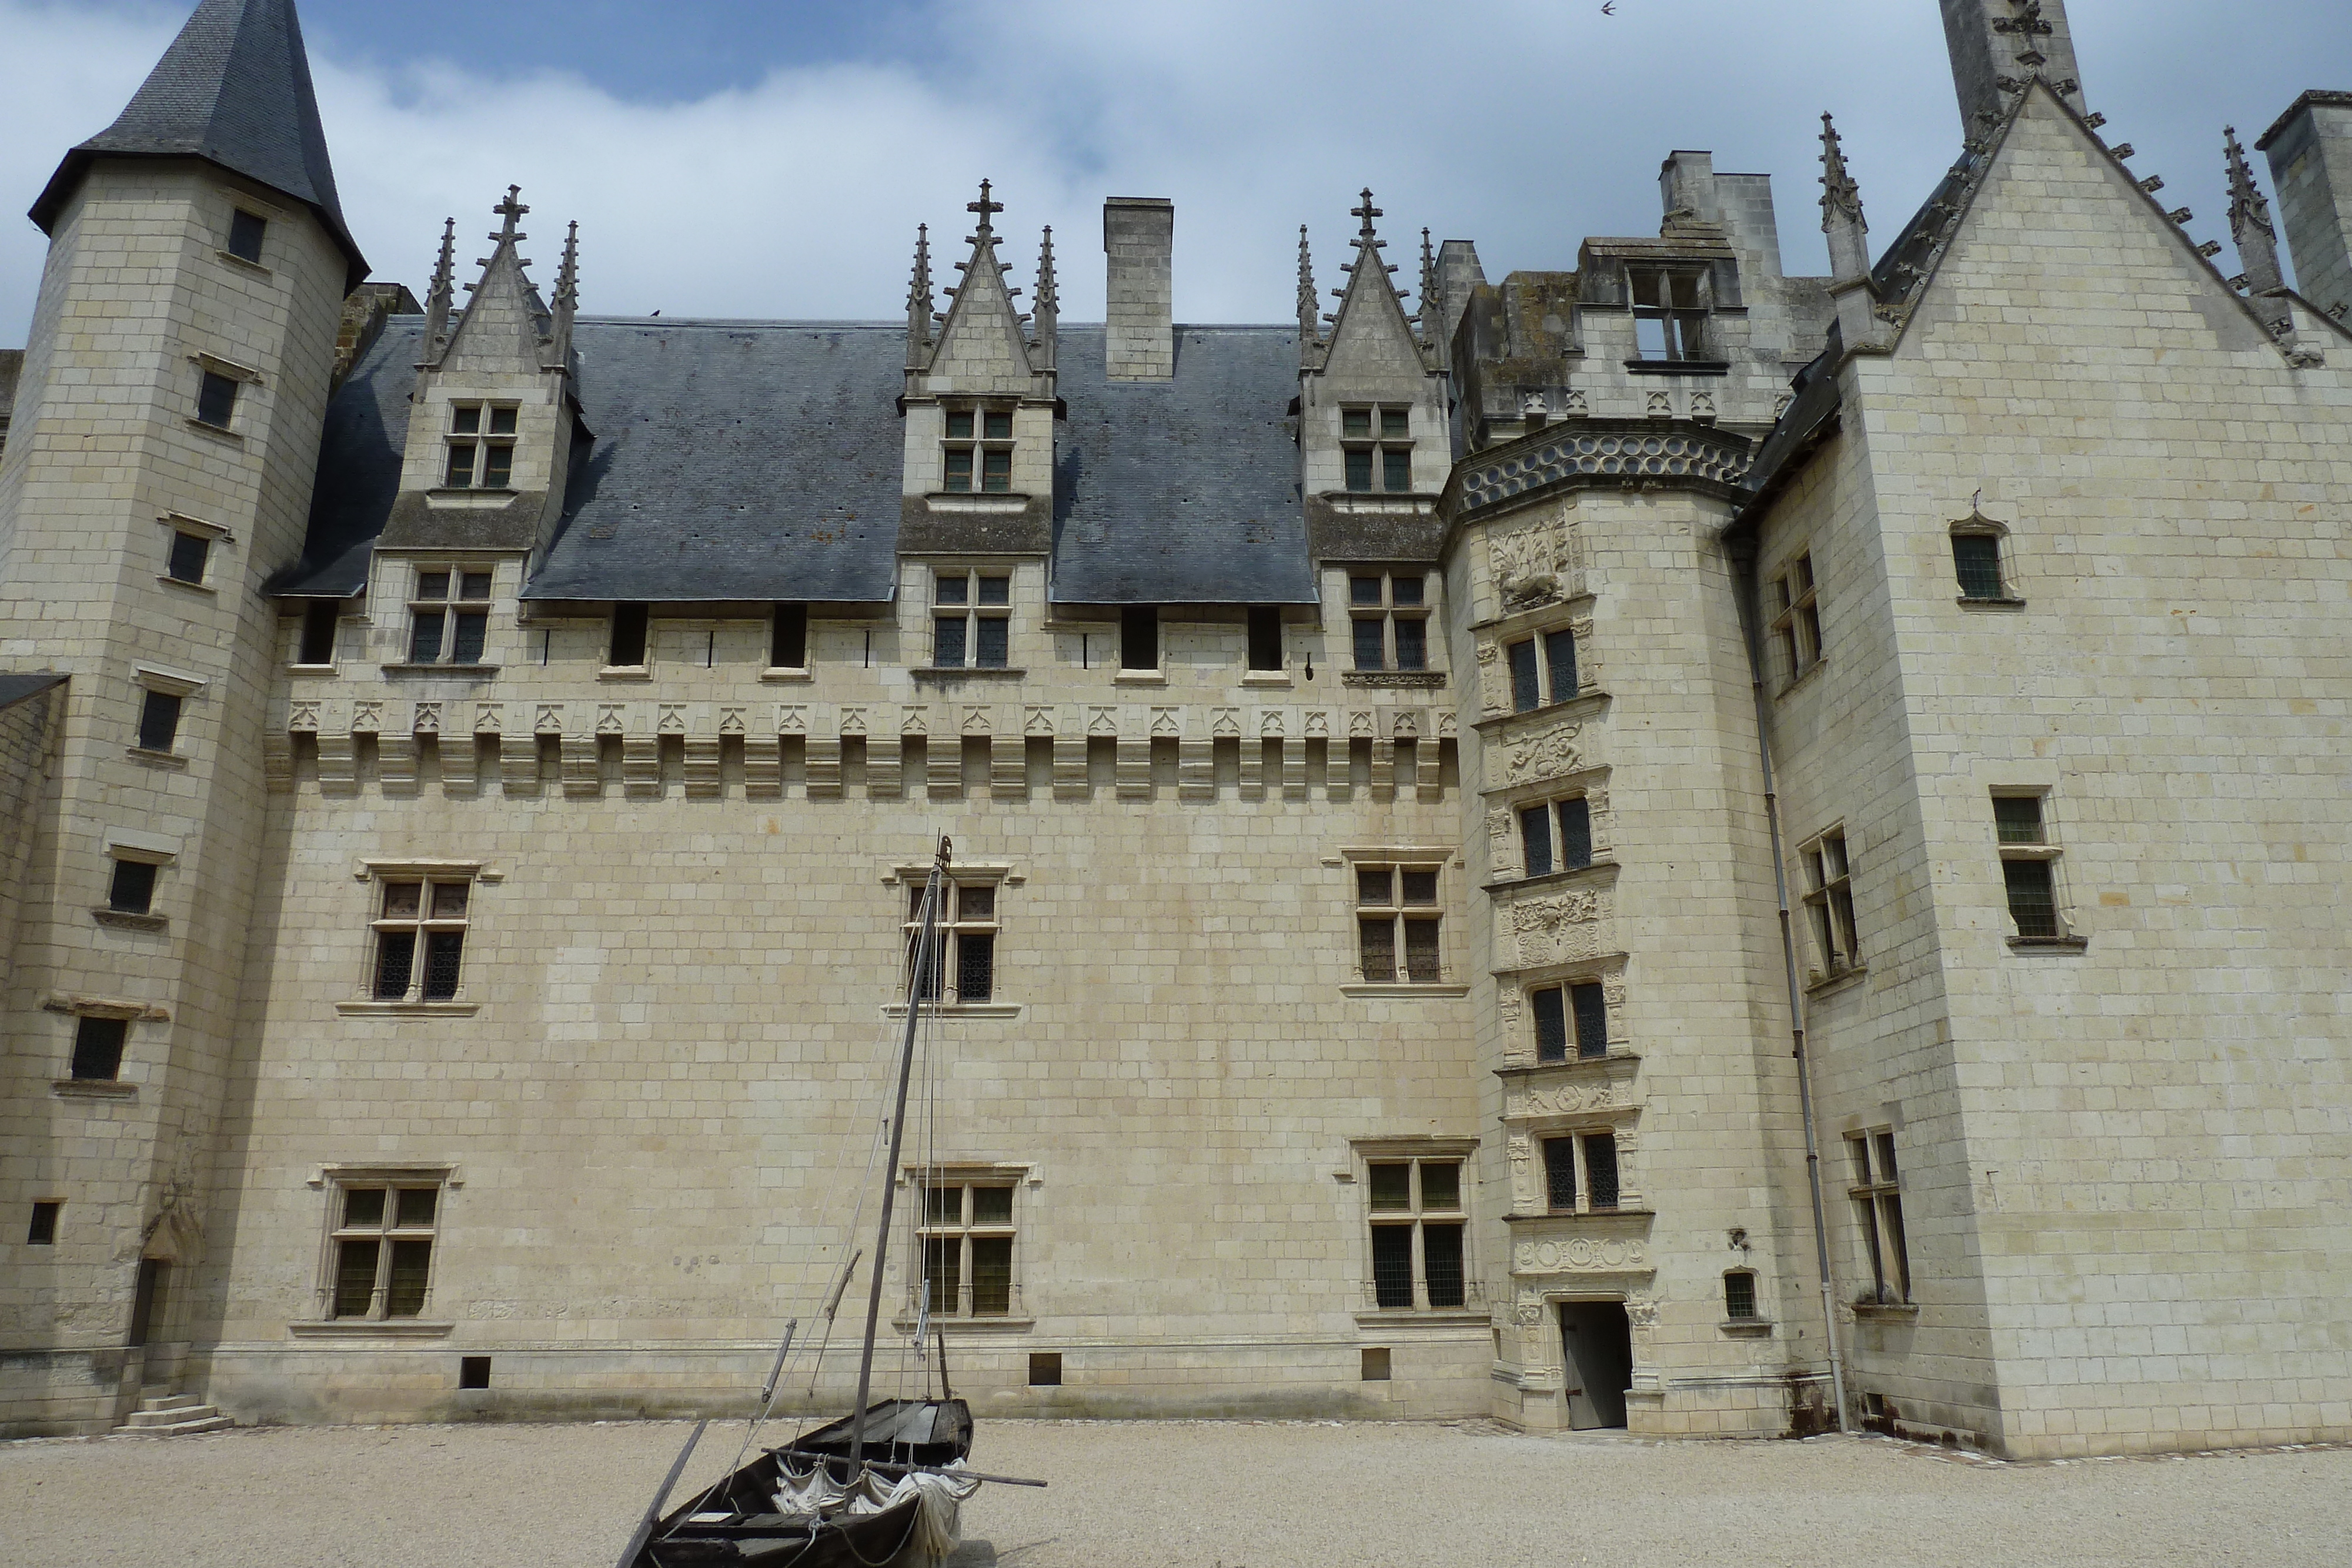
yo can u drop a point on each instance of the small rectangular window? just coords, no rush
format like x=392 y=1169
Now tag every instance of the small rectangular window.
x=1534 y=838
x=420 y=926
x=1527 y=690
x=217 y=400
x=1601 y=1169
x=959 y=471
x=98 y=1048
x=473 y=1372
x=788 y=637
x=1740 y=1295
x=958 y=425
x=1364 y=590
x=1376 y=1365
x=996 y=471
x=459 y=473
x=190 y=553
x=1356 y=421
x=1392 y=1267
x=1590 y=1004
x=1360 y=470
x=132 y=891
x=1395 y=422
x=43 y=1231
x=1551 y=1008
x=1396 y=471
x=1139 y=638
x=1560 y=1175
x=947 y=642
x=1559 y=657
x=1044 y=1369
x=320 y=619
x=2017 y=819
x=2032 y=896
x=992 y=645
x=630 y=623
x=996 y=424
x=1798 y=623
x=498 y=466
x=1371 y=652
x=1441 y=1262
x=1412 y=643
x=1829 y=902
x=1976 y=561
x=1265 y=638
x=1377 y=941
x=1575 y=833
x=159 y=721
x=245 y=231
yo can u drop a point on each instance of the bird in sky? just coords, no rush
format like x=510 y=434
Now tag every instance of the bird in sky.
x=1608 y=9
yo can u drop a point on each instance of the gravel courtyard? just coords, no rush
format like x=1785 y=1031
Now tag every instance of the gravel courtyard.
x=1184 y=1495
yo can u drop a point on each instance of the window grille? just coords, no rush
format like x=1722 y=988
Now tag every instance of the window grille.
x=421 y=915
x=1416 y=1210
x=1740 y=1295
x=1601 y=1169
x=1396 y=913
x=1390 y=624
x=1976 y=561
x=1543 y=670
x=449 y=617
x=1559 y=1173
x=381 y=1250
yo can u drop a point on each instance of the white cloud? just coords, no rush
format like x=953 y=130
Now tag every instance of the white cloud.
x=1523 y=124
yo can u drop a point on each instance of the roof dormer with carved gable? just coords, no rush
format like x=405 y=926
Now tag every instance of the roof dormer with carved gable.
x=1374 y=450
x=979 y=404
x=492 y=418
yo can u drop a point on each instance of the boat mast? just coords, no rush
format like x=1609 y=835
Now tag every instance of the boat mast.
x=926 y=943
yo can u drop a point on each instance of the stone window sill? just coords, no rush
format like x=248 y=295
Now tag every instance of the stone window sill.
x=1679 y=367
x=318 y=669
x=218 y=432
x=969 y=1325
x=2007 y=601
x=2048 y=943
x=958 y=1009
x=1418 y=1317
x=157 y=758
x=1886 y=1312
x=625 y=672
x=1613 y=1055
x=1587 y=701
x=1141 y=678
x=244 y=265
x=965 y=672
x=1629 y=1211
x=408 y=1009
x=1823 y=985
x=1266 y=678
x=1567 y=875
x=468 y=672
x=129 y=920
x=1808 y=672
x=1394 y=680
x=1369 y=989
x=166 y=578
x=369 y=1328
x=1759 y=1328
x=94 y=1088
x=782 y=673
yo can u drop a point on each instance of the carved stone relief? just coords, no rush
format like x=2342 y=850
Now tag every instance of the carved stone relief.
x=1548 y=754
x=1582 y=1253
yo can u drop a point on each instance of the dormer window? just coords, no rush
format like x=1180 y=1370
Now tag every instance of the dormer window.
x=481 y=447
x=1378 y=443
x=448 y=616
x=1669 y=312
x=979 y=442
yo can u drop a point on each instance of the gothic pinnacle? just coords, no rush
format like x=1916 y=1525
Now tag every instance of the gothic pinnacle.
x=1431 y=323
x=1308 y=316
x=2250 y=223
x=1048 y=298
x=1839 y=194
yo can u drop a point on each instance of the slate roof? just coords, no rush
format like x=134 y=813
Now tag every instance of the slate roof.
x=234 y=89
x=1185 y=491
x=732 y=460
x=754 y=460
x=14 y=689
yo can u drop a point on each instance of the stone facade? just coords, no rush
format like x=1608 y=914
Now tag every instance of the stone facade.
x=1657 y=843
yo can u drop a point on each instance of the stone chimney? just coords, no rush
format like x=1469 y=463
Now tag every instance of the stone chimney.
x=2310 y=152
x=1139 y=333
x=1997 y=45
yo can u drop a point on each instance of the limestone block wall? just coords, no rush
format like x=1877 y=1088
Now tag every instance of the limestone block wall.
x=107 y=465
x=1673 y=920
x=658 y=1082
x=2130 y=1133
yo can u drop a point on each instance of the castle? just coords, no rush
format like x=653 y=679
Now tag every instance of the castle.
x=1658 y=845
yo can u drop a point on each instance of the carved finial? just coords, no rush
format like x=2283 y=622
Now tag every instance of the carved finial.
x=1308 y=316
x=1842 y=217
x=1432 y=319
x=983 y=207
x=1046 y=309
x=1367 y=213
x=1048 y=296
x=567 y=302
x=438 y=297
x=2250 y=221
x=511 y=210
x=919 y=300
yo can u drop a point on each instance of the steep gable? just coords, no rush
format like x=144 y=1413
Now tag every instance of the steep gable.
x=981 y=344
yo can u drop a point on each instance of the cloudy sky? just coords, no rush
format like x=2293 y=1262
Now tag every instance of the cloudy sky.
x=773 y=157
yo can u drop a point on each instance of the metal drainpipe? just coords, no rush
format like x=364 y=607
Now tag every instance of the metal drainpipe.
x=1743 y=586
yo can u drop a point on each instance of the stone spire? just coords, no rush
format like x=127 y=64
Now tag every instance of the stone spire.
x=2249 y=224
x=918 y=302
x=438 y=298
x=1430 y=318
x=1310 y=319
x=567 y=303
x=1842 y=217
x=232 y=89
x=1046 y=309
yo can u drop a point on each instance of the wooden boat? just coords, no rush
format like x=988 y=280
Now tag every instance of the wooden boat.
x=881 y=1487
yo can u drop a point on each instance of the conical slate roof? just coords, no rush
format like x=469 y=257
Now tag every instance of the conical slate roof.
x=235 y=89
